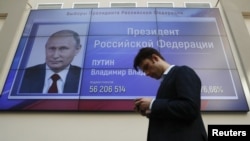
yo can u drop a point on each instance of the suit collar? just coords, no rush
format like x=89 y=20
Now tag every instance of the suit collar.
x=166 y=72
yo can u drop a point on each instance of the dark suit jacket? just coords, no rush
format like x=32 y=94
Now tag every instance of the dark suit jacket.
x=175 y=113
x=33 y=79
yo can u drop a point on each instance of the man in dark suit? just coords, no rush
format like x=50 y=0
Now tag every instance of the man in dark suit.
x=61 y=48
x=174 y=114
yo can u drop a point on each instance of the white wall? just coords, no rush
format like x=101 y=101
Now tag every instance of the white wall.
x=9 y=33
x=83 y=126
x=43 y=126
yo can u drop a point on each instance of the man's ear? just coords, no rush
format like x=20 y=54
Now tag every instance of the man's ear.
x=155 y=57
x=78 y=49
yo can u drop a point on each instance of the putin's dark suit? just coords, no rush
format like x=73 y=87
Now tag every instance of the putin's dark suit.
x=33 y=79
x=175 y=113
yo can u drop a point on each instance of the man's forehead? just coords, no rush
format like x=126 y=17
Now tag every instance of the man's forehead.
x=144 y=62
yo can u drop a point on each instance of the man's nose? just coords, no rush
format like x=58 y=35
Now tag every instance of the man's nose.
x=56 y=53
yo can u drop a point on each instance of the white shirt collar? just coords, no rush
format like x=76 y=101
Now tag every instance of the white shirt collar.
x=60 y=82
x=62 y=73
x=167 y=70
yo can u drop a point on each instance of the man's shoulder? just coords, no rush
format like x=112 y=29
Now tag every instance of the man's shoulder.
x=183 y=67
x=35 y=70
x=39 y=67
x=75 y=67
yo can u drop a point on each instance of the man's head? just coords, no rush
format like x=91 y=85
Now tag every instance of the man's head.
x=61 y=48
x=151 y=62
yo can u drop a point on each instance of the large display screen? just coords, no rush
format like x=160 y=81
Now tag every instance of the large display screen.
x=101 y=75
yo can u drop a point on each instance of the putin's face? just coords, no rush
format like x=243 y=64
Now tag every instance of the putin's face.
x=60 y=51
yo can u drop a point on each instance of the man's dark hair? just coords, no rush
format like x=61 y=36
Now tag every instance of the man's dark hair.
x=145 y=53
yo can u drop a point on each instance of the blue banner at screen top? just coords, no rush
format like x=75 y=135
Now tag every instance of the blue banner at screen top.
x=56 y=16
